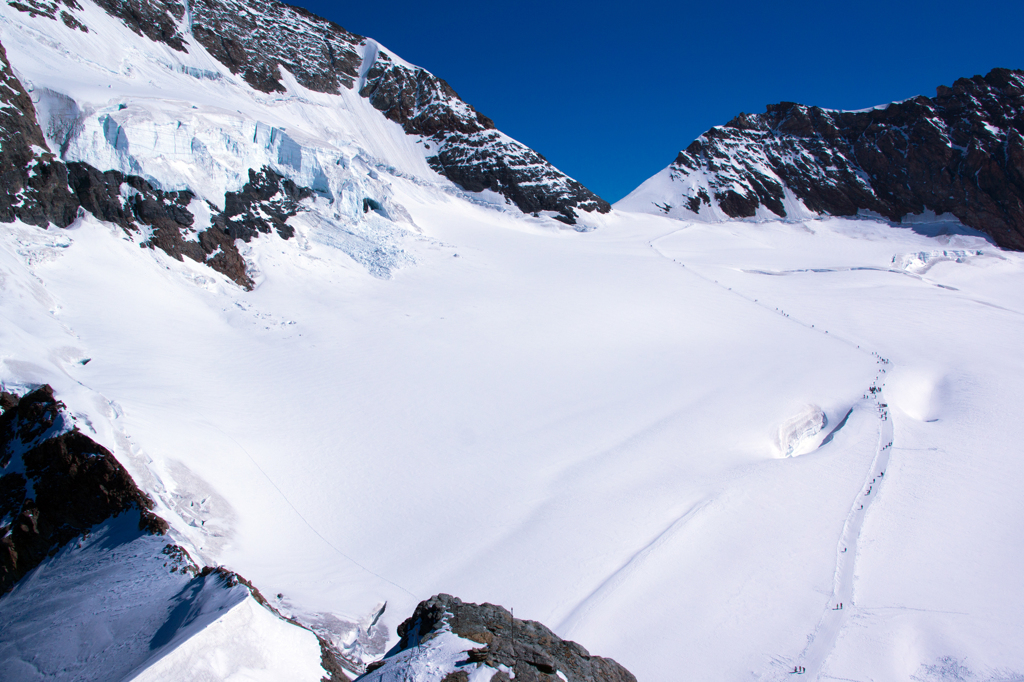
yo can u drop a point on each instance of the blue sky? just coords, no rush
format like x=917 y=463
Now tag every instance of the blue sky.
x=610 y=92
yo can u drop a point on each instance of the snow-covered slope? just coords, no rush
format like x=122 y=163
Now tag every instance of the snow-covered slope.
x=681 y=444
x=583 y=428
x=116 y=606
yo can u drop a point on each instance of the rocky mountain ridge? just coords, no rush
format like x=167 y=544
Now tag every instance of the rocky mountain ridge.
x=255 y=40
x=959 y=153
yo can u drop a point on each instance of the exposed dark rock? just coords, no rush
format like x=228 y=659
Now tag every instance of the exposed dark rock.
x=420 y=101
x=267 y=193
x=52 y=9
x=331 y=662
x=961 y=153
x=58 y=483
x=156 y=20
x=7 y=401
x=527 y=648
x=33 y=182
x=254 y=38
x=491 y=160
x=166 y=213
x=263 y=204
x=467 y=148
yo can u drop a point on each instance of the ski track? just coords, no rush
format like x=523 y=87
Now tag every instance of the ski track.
x=841 y=602
x=621 y=574
x=303 y=518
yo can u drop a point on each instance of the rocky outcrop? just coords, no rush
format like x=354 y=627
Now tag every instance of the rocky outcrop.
x=157 y=21
x=52 y=9
x=523 y=650
x=57 y=483
x=133 y=203
x=960 y=152
x=254 y=39
x=264 y=204
x=464 y=146
x=33 y=182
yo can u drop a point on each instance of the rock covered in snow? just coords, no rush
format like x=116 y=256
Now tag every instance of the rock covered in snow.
x=960 y=152
x=523 y=650
x=465 y=147
x=254 y=38
x=57 y=483
x=33 y=182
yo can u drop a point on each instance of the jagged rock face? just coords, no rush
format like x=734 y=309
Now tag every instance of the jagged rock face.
x=466 y=147
x=494 y=161
x=265 y=202
x=423 y=103
x=527 y=648
x=57 y=484
x=167 y=213
x=33 y=182
x=961 y=152
x=156 y=20
x=254 y=38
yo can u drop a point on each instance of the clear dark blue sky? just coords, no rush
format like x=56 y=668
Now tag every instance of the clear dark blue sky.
x=610 y=92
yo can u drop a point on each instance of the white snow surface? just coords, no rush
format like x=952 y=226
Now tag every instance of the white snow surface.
x=108 y=607
x=432 y=661
x=583 y=427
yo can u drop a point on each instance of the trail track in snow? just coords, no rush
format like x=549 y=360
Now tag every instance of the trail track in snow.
x=841 y=603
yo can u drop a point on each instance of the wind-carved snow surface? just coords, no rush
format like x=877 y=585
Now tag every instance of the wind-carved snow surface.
x=795 y=436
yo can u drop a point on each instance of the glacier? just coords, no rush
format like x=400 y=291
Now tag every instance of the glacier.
x=438 y=392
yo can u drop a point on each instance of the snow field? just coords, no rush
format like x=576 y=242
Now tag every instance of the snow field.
x=582 y=427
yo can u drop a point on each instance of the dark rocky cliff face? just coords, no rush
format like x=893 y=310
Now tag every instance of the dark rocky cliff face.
x=960 y=152
x=33 y=182
x=465 y=146
x=255 y=39
x=56 y=484
x=526 y=648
